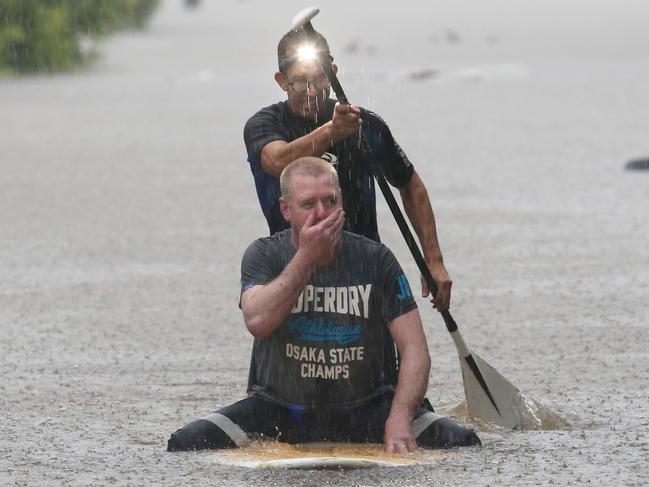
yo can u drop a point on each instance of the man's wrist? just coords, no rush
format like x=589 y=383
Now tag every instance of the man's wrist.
x=303 y=261
x=329 y=133
x=401 y=412
x=434 y=257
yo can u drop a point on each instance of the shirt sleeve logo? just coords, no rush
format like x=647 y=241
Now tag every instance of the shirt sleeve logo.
x=404 y=288
x=330 y=158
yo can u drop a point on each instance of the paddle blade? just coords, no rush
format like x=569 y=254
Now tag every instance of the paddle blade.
x=304 y=16
x=506 y=407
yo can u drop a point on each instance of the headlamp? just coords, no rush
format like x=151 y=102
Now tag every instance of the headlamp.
x=306 y=52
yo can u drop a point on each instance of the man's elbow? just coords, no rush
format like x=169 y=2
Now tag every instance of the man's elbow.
x=255 y=326
x=259 y=325
x=273 y=163
x=415 y=187
x=254 y=317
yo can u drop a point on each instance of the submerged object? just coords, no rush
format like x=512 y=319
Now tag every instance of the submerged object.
x=638 y=164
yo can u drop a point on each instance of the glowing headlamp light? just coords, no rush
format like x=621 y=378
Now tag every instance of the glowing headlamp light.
x=306 y=53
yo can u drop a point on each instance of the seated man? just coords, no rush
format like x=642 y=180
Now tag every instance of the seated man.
x=321 y=302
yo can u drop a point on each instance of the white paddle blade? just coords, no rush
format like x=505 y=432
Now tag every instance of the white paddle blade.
x=304 y=16
x=513 y=411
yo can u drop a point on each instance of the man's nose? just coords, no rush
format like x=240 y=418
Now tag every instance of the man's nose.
x=311 y=88
x=321 y=211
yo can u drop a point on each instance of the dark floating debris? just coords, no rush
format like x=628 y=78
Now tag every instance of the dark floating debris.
x=452 y=37
x=422 y=74
x=638 y=164
x=354 y=47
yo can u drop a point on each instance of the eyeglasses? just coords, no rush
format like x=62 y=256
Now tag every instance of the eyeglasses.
x=299 y=85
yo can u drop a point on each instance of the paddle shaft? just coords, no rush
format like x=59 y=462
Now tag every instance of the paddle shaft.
x=451 y=325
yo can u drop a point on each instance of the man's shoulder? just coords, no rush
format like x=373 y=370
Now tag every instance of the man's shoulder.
x=265 y=126
x=363 y=243
x=361 y=248
x=372 y=117
x=276 y=241
x=276 y=109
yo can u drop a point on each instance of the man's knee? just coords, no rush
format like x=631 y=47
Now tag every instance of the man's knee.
x=435 y=431
x=199 y=435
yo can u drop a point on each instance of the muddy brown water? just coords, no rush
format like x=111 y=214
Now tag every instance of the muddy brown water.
x=126 y=204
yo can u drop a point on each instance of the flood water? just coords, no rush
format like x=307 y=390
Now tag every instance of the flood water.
x=126 y=204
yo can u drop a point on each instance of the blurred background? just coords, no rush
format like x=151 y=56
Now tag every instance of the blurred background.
x=126 y=203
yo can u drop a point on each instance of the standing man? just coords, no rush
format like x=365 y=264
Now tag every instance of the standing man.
x=309 y=123
x=321 y=302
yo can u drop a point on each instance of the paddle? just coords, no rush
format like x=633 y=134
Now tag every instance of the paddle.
x=490 y=397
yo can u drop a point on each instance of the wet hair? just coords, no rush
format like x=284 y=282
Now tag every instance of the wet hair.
x=306 y=166
x=292 y=40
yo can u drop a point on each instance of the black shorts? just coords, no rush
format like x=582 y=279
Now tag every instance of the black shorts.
x=258 y=417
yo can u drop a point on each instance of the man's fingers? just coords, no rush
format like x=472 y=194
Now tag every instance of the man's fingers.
x=340 y=220
x=308 y=222
x=407 y=446
x=345 y=109
x=444 y=294
x=424 y=287
x=329 y=230
x=332 y=220
x=411 y=445
x=337 y=227
x=442 y=299
x=396 y=447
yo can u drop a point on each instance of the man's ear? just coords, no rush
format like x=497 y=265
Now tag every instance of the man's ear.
x=334 y=68
x=283 y=207
x=280 y=79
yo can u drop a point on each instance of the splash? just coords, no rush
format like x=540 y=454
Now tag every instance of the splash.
x=530 y=414
x=535 y=416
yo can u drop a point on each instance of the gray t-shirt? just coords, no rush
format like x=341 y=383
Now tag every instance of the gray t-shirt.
x=329 y=350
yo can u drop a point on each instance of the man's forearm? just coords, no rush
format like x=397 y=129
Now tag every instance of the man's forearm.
x=265 y=307
x=420 y=213
x=409 y=336
x=412 y=384
x=282 y=154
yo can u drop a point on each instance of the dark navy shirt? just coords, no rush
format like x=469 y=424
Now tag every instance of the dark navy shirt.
x=330 y=347
x=278 y=122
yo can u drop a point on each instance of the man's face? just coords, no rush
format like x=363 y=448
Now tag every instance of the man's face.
x=310 y=195
x=307 y=88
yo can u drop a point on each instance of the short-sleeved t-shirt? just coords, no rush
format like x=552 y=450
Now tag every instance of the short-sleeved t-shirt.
x=278 y=122
x=330 y=348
